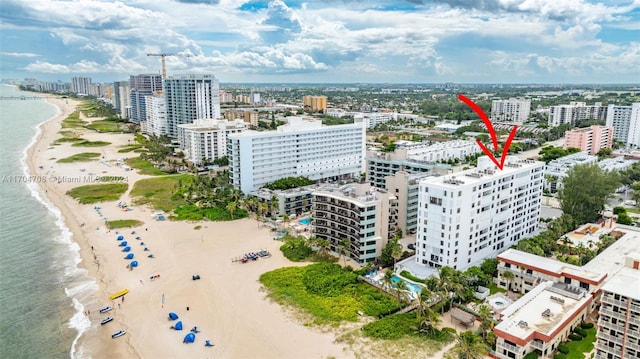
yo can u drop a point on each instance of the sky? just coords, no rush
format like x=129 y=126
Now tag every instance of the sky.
x=325 y=41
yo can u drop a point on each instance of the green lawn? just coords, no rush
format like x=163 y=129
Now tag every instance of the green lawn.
x=145 y=167
x=98 y=192
x=328 y=292
x=493 y=289
x=124 y=223
x=577 y=349
x=158 y=192
x=130 y=148
x=108 y=126
x=80 y=157
x=73 y=121
x=85 y=143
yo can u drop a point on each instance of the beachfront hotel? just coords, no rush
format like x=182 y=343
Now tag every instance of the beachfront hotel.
x=141 y=86
x=189 y=98
x=299 y=148
x=290 y=202
x=475 y=214
x=156 y=108
x=618 y=333
x=365 y=215
x=207 y=139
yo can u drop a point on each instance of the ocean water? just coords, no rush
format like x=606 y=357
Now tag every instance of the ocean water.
x=41 y=286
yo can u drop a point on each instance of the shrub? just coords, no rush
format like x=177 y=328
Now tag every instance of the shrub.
x=563 y=349
x=576 y=337
x=580 y=331
x=296 y=250
x=584 y=325
x=532 y=355
x=327 y=279
x=559 y=356
x=391 y=327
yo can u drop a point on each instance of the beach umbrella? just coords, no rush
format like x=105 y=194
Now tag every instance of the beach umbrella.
x=120 y=237
x=189 y=338
x=129 y=256
x=134 y=263
x=178 y=326
x=173 y=316
x=123 y=244
x=126 y=249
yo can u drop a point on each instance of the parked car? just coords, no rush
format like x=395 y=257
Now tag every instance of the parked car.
x=412 y=246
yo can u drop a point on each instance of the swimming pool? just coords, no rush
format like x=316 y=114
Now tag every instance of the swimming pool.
x=305 y=221
x=412 y=287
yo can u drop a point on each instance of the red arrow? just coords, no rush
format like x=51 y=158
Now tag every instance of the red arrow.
x=492 y=132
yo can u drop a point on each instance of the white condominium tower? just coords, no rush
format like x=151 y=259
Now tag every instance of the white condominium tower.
x=625 y=121
x=190 y=98
x=207 y=139
x=513 y=110
x=475 y=214
x=299 y=148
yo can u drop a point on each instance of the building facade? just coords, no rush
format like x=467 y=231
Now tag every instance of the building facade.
x=405 y=187
x=156 y=112
x=207 y=139
x=314 y=103
x=141 y=86
x=590 y=139
x=625 y=121
x=121 y=103
x=190 y=98
x=299 y=148
x=513 y=110
x=475 y=214
x=364 y=215
x=575 y=112
x=618 y=335
x=80 y=85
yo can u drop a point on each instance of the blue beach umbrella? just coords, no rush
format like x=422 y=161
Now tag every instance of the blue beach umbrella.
x=129 y=256
x=120 y=237
x=126 y=249
x=178 y=326
x=134 y=263
x=189 y=338
x=123 y=244
x=173 y=316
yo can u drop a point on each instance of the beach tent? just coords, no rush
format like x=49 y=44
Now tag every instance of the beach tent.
x=134 y=263
x=178 y=326
x=126 y=249
x=123 y=244
x=120 y=237
x=189 y=338
x=173 y=316
x=129 y=256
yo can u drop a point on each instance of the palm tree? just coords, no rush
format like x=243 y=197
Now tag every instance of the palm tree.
x=387 y=280
x=323 y=246
x=428 y=322
x=401 y=287
x=231 y=207
x=486 y=317
x=396 y=251
x=468 y=346
x=508 y=276
x=344 y=249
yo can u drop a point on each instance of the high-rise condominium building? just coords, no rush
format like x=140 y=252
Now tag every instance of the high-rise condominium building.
x=625 y=121
x=590 y=139
x=474 y=214
x=618 y=333
x=80 y=85
x=156 y=110
x=121 y=103
x=190 y=98
x=405 y=187
x=364 y=215
x=513 y=110
x=140 y=87
x=314 y=103
x=299 y=148
x=207 y=139
x=575 y=112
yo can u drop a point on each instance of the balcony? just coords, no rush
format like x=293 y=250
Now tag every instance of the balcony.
x=537 y=344
x=510 y=347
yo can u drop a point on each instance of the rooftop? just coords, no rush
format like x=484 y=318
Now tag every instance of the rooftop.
x=625 y=282
x=542 y=310
x=612 y=259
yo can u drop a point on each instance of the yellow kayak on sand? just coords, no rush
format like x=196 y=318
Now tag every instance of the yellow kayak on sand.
x=118 y=294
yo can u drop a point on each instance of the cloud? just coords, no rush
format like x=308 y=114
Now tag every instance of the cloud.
x=19 y=54
x=207 y=2
x=281 y=23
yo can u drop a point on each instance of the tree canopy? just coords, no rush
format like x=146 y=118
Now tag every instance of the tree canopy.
x=288 y=182
x=585 y=190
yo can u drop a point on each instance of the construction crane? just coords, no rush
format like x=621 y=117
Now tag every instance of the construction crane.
x=163 y=55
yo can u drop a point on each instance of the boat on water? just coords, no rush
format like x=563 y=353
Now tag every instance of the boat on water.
x=118 y=294
x=119 y=333
x=106 y=309
x=106 y=320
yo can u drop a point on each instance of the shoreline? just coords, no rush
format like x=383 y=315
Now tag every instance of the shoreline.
x=227 y=304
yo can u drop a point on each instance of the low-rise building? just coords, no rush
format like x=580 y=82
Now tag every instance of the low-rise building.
x=589 y=139
x=206 y=140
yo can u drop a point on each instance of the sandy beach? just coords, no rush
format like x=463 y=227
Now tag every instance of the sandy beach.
x=226 y=304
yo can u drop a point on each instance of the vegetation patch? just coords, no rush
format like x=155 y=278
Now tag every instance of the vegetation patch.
x=85 y=143
x=98 y=192
x=112 y=124
x=288 y=183
x=578 y=348
x=327 y=291
x=392 y=326
x=159 y=192
x=73 y=121
x=190 y=212
x=80 y=157
x=124 y=223
x=145 y=167
x=129 y=148
x=296 y=250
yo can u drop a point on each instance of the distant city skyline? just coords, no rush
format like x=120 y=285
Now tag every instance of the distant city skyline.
x=293 y=41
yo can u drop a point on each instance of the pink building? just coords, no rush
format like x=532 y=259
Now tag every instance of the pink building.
x=591 y=139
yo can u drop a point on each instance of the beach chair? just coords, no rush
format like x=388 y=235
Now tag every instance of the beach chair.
x=207 y=343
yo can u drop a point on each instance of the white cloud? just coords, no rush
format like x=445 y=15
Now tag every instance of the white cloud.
x=19 y=54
